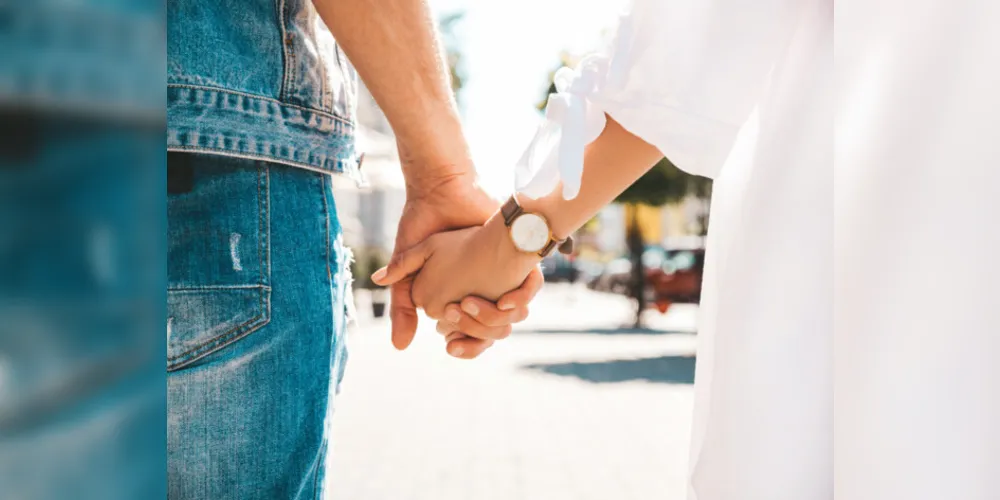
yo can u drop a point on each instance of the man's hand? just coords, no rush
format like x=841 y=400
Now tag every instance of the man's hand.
x=480 y=261
x=436 y=204
x=432 y=206
x=474 y=324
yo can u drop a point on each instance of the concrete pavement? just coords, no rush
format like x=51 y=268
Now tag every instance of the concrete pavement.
x=571 y=407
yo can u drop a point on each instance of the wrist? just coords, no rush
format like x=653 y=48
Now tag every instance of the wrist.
x=434 y=153
x=439 y=183
x=507 y=254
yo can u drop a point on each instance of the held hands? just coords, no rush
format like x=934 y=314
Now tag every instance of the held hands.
x=473 y=264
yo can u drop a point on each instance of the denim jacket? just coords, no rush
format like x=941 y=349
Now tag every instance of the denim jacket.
x=259 y=79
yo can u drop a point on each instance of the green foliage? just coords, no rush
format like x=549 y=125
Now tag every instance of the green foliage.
x=662 y=184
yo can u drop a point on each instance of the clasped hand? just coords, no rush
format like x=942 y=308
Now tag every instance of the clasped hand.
x=463 y=279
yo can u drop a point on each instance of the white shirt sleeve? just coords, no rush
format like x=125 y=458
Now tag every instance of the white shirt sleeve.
x=683 y=75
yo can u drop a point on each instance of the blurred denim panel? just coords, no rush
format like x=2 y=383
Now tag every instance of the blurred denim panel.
x=99 y=57
x=82 y=249
x=82 y=406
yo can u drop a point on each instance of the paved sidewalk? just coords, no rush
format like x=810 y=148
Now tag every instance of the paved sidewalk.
x=571 y=407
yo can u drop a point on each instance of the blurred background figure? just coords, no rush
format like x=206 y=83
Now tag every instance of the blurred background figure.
x=81 y=249
x=591 y=397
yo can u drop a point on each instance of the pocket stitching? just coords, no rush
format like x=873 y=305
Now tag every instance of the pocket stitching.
x=264 y=222
x=228 y=337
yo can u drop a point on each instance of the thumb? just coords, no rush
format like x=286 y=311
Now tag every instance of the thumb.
x=403 y=314
x=402 y=265
x=521 y=296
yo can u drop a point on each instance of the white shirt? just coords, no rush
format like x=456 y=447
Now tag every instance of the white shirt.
x=904 y=388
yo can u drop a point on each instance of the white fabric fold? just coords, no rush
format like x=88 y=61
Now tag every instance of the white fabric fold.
x=681 y=75
x=572 y=121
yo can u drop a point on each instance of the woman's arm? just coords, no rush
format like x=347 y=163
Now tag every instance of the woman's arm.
x=612 y=163
x=482 y=261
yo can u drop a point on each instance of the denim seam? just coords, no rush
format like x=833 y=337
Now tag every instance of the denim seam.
x=329 y=275
x=347 y=170
x=267 y=225
x=326 y=216
x=322 y=112
x=260 y=223
x=260 y=237
x=284 y=50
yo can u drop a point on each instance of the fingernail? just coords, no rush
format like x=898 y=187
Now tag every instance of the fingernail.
x=506 y=306
x=452 y=315
x=457 y=351
x=380 y=275
x=470 y=308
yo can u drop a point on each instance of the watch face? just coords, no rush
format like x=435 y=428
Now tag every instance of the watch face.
x=530 y=233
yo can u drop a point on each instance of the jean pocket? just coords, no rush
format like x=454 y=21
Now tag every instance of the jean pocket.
x=218 y=255
x=201 y=321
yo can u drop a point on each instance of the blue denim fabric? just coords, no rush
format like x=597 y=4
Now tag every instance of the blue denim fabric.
x=258 y=285
x=96 y=58
x=82 y=399
x=259 y=79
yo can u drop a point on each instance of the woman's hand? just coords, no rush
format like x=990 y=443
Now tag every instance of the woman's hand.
x=471 y=327
x=478 y=261
x=432 y=205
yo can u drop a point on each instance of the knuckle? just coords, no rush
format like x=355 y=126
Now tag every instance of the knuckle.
x=396 y=260
x=491 y=318
x=472 y=327
x=504 y=332
x=523 y=315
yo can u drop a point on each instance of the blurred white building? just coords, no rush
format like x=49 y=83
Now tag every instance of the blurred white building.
x=369 y=215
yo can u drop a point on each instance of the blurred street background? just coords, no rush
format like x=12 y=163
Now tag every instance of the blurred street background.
x=573 y=406
x=591 y=397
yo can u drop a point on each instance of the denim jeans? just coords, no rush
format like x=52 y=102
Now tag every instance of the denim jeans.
x=258 y=284
x=81 y=293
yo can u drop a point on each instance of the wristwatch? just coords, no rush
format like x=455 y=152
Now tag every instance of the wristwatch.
x=531 y=232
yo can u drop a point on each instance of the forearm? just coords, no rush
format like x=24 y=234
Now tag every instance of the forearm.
x=394 y=47
x=612 y=163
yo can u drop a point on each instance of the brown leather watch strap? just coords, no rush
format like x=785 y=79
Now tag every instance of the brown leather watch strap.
x=565 y=247
x=510 y=210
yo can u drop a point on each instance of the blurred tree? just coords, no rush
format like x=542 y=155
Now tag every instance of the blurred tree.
x=662 y=184
x=448 y=25
x=565 y=59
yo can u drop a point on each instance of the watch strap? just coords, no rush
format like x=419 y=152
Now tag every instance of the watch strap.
x=510 y=210
x=565 y=247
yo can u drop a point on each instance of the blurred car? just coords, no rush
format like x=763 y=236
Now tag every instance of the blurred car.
x=678 y=279
x=617 y=274
x=588 y=270
x=614 y=277
x=671 y=275
x=559 y=268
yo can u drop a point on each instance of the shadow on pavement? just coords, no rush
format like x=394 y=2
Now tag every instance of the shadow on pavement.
x=664 y=369
x=603 y=331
